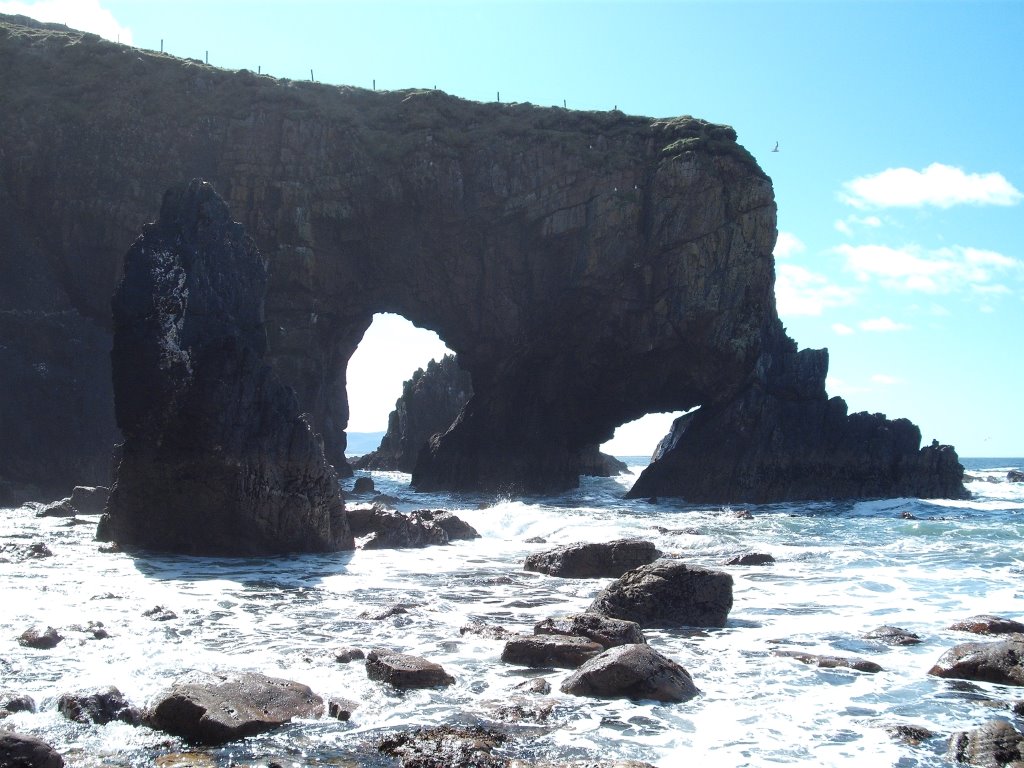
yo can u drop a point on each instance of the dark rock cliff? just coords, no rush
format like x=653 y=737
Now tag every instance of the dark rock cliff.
x=586 y=267
x=216 y=457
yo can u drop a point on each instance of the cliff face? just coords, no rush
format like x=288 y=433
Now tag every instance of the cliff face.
x=216 y=457
x=586 y=267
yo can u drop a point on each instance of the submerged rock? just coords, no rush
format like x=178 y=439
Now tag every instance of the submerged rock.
x=668 y=593
x=593 y=560
x=99 y=706
x=1000 y=662
x=445 y=746
x=893 y=636
x=826 y=661
x=217 y=458
x=751 y=558
x=43 y=638
x=230 y=708
x=632 y=672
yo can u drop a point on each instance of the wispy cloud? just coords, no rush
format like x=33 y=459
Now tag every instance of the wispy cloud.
x=86 y=15
x=939 y=271
x=842 y=329
x=798 y=291
x=787 y=244
x=939 y=185
x=882 y=325
x=847 y=224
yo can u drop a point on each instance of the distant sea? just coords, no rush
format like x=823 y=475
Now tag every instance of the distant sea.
x=841 y=569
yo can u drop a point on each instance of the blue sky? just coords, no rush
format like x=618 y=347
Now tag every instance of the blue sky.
x=899 y=177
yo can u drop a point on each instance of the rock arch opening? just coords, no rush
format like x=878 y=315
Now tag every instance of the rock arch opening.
x=640 y=437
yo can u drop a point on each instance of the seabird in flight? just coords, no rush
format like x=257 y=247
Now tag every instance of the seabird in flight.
x=776 y=147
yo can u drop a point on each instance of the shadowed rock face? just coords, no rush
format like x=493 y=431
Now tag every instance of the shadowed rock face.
x=216 y=457
x=587 y=268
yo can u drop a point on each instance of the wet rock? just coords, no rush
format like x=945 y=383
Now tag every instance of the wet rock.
x=593 y=561
x=605 y=631
x=43 y=638
x=62 y=508
x=632 y=672
x=1015 y=476
x=405 y=671
x=89 y=499
x=914 y=735
x=218 y=458
x=341 y=709
x=668 y=593
x=159 y=613
x=997 y=744
x=988 y=625
x=456 y=528
x=377 y=528
x=1000 y=662
x=100 y=706
x=15 y=702
x=37 y=551
x=226 y=709
x=831 y=662
x=445 y=746
x=363 y=484
x=524 y=712
x=348 y=655
x=20 y=751
x=535 y=540
x=751 y=558
x=535 y=685
x=893 y=636
x=486 y=631
x=564 y=651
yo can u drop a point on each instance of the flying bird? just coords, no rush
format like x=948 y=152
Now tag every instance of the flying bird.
x=776 y=147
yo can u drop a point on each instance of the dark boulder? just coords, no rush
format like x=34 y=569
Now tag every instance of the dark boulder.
x=405 y=671
x=986 y=624
x=43 y=638
x=997 y=744
x=217 y=458
x=486 y=631
x=668 y=593
x=751 y=558
x=594 y=560
x=15 y=702
x=445 y=746
x=605 y=631
x=566 y=651
x=363 y=484
x=347 y=655
x=341 y=709
x=893 y=636
x=89 y=500
x=159 y=613
x=20 y=751
x=62 y=508
x=632 y=672
x=100 y=706
x=1000 y=662
x=230 y=708
x=1015 y=476
x=456 y=528
x=378 y=528
x=825 y=661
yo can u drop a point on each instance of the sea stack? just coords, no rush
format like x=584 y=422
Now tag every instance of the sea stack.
x=217 y=458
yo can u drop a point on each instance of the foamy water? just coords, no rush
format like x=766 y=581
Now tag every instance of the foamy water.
x=841 y=570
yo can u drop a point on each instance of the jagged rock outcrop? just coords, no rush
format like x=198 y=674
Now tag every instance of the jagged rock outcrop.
x=431 y=400
x=216 y=457
x=587 y=268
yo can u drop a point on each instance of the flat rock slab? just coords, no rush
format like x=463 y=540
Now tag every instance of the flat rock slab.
x=986 y=624
x=995 y=745
x=20 y=751
x=606 y=631
x=405 y=671
x=1000 y=662
x=232 y=708
x=598 y=560
x=831 y=662
x=631 y=672
x=565 y=651
x=668 y=593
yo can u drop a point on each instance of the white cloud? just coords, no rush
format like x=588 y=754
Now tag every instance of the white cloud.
x=798 y=291
x=845 y=226
x=842 y=330
x=788 y=244
x=86 y=15
x=881 y=378
x=940 y=185
x=882 y=325
x=939 y=271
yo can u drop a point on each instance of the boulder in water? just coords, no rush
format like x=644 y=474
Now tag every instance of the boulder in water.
x=405 y=671
x=15 y=702
x=825 y=661
x=997 y=744
x=604 y=630
x=632 y=672
x=1000 y=662
x=99 y=706
x=595 y=560
x=21 y=751
x=564 y=651
x=987 y=624
x=43 y=638
x=668 y=593
x=893 y=636
x=230 y=708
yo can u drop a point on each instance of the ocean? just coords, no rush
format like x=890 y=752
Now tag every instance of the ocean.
x=841 y=569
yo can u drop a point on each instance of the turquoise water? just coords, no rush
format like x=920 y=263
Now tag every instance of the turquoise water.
x=841 y=570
